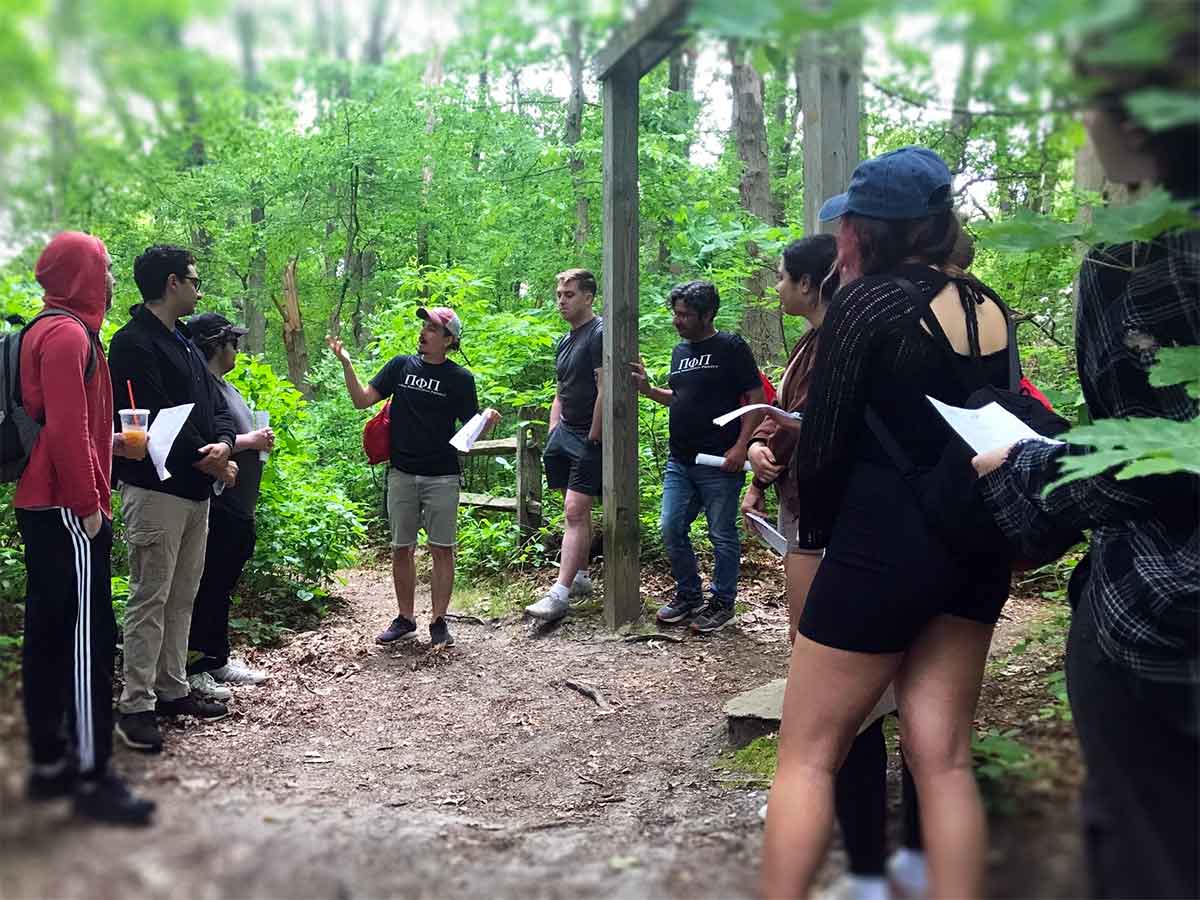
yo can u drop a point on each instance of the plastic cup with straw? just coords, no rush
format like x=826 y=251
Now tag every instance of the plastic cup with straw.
x=135 y=425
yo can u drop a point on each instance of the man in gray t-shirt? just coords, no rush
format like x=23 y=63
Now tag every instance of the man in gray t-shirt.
x=231 y=534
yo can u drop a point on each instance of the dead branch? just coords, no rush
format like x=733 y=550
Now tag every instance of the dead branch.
x=592 y=693
x=653 y=636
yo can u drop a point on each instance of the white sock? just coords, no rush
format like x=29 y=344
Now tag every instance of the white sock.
x=867 y=887
x=907 y=866
x=560 y=592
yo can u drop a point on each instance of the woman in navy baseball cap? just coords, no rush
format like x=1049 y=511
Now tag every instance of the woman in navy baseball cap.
x=890 y=601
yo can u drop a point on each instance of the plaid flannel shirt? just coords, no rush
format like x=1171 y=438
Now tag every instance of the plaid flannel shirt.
x=1143 y=587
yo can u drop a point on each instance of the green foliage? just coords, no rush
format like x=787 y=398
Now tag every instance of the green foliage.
x=1178 y=365
x=754 y=764
x=1000 y=758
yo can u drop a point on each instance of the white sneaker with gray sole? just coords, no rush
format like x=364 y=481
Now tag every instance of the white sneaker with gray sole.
x=550 y=608
x=206 y=686
x=237 y=672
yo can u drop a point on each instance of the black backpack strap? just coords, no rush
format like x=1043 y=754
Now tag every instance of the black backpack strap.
x=890 y=445
x=90 y=368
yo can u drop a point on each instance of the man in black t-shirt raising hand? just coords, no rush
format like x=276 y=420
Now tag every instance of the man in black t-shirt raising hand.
x=712 y=373
x=429 y=394
x=572 y=455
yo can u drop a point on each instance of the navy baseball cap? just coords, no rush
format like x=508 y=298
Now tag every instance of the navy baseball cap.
x=909 y=183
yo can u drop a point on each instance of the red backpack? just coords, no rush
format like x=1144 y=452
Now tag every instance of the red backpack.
x=377 y=436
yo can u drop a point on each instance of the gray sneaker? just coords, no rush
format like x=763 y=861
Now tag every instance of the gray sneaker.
x=237 y=672
x=680 y=609
x=206 y=686
x=550 y=608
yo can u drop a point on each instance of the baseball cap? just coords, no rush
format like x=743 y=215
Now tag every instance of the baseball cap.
x=211 y=327
x=444 y=316
x=909 y=183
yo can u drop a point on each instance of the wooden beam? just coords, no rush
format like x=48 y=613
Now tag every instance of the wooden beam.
x=831 y=85
x=622 y=575
x=646 y=40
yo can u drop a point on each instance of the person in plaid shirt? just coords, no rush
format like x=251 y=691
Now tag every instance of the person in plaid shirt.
x=1133 y=654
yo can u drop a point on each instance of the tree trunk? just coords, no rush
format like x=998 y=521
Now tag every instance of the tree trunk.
x=293 y=330
x=681 y=75
x=377 y=36
x=787 y=122
x=574 y=126
x=246 y=25
x=432 y=79
x=961 y=119
x=762 y=322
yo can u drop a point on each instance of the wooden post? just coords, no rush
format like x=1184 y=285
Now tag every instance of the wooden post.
x=622 y=576
x=529 y=481
x=831 y=81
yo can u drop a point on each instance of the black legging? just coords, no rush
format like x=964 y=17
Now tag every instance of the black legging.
x=860 y=801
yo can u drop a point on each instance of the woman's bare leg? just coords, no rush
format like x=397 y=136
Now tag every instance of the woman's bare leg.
x=937 y=690
x=829 y=692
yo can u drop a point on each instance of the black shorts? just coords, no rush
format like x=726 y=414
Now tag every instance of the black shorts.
x=572 y=462
x=885 y=575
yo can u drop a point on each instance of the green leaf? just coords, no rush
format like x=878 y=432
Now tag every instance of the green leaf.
x=1132 y=448
x=1152 y=215
x=1178 y=365
x=1026 y=232
x=1160 y=109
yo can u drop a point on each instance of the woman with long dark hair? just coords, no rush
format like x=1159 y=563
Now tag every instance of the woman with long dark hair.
x=889 y=603
x=808 y=279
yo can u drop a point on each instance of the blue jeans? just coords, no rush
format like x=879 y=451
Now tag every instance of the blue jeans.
x=685 y=490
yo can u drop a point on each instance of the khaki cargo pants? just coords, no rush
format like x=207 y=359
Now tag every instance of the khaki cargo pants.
x=166 y=537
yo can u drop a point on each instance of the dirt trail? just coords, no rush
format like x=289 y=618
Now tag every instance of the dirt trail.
x=363 y=771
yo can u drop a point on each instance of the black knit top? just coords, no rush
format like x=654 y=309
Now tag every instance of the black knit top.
x=874 y=351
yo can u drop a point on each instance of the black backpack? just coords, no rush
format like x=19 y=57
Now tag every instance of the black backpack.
x=18 y=429
x=949 y=493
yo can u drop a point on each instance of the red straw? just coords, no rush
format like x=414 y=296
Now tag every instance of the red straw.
x=129 y=385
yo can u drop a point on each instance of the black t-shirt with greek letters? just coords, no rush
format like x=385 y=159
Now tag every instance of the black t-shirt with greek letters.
x=708 y=379
x=427 y=401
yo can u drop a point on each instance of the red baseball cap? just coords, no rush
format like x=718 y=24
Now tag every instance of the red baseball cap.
x=444 y=316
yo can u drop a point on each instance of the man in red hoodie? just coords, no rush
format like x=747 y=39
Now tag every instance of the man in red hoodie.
x=62 y=507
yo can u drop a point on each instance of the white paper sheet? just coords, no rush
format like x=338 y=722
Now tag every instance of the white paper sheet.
x=162 y=433
x=988 y=427
x=767 y=532
x=708 y=459
x=469 y=433
x=742 y=410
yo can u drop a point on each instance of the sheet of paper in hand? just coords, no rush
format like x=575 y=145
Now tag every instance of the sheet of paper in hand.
x=767 y=407
x=767 y=532
x=162 y=434
x=469 y=433
x=987 y=428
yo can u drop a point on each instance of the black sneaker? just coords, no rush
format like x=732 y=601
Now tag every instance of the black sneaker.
x=140 y=731
x=713 y=617
x=680 y=609
x=40 y=788
x=401 y=629
x=192 y=705
x=108 y=800
x=439 y=633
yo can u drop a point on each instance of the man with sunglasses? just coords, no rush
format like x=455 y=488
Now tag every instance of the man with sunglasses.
x=166 y=520
x=231 y=534
x=429 y=394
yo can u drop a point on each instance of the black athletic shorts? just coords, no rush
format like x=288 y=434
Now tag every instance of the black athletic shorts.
x=885 y=575
x=572 y=462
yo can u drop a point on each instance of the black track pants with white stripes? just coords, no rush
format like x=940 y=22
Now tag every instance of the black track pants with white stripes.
x=70 y=638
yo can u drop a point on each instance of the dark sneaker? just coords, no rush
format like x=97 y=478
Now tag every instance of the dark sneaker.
x=401 y=629
x=680 y=609
x=140 y=731
x=439 y=633
x=192 y=705
x=713 y=617
x=40 y=787
x=108 y=800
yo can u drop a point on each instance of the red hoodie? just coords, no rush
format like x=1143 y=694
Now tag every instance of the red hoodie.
x=71 y=461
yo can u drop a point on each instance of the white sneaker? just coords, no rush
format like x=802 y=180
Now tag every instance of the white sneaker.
x=907 y=872
x=581 y=586
x=551 y=607
x=204 y=685
x=856 y=887
x=237 y=672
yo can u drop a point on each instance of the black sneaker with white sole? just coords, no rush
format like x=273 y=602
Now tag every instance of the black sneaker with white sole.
x=140 y=731
x=713 y=617
x=401 y=629
x=108 y=800
x=680 y=609
x=192 y=704
x=439 y=633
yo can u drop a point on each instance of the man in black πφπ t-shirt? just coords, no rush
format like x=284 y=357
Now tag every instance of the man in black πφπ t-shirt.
x=712 y=373
x=429 y=394
x=572 y=455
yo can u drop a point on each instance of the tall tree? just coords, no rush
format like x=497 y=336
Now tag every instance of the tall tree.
x=246 y=26
x=574 y=126
x=762 y=324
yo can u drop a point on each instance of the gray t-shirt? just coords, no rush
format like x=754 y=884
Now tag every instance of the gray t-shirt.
x=240 y=499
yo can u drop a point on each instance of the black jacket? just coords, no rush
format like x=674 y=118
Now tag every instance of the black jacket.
x=167 y=369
